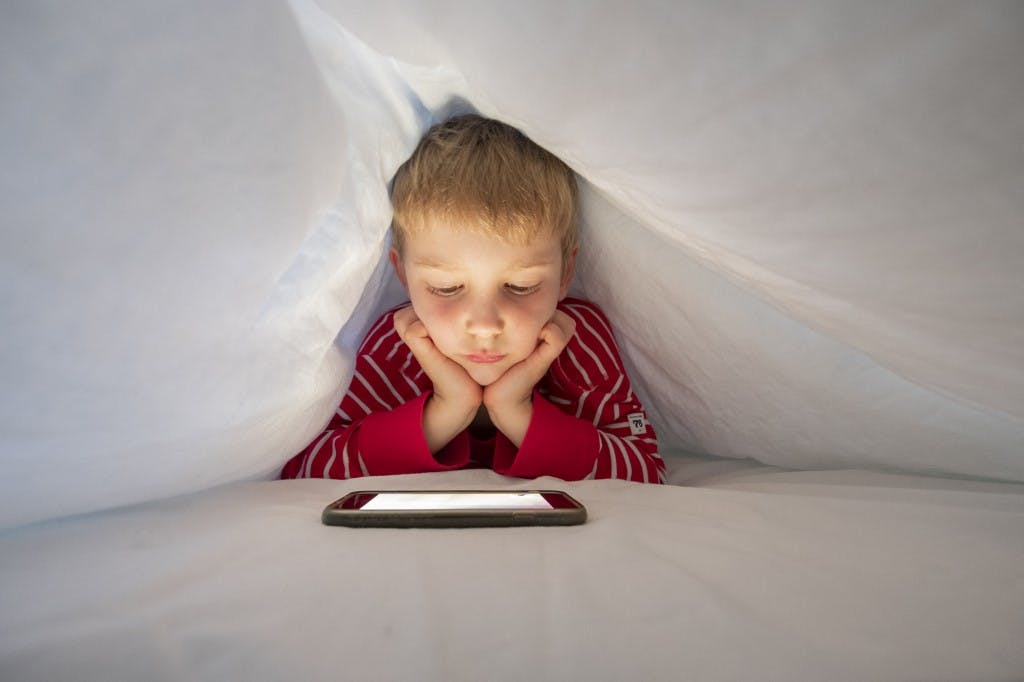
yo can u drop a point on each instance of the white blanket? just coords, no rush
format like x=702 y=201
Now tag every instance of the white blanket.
x=755 y=573
x=803 y=219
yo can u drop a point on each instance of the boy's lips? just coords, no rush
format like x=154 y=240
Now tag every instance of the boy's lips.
x=485 y=358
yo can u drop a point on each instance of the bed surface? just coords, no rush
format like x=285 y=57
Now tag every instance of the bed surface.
x=839 y=575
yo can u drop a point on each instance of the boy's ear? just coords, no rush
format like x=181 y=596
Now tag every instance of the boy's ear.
x=396 y=263
x=570 y=268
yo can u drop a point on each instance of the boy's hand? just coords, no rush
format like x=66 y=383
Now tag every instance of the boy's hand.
x=508 y=400
x=456 y=396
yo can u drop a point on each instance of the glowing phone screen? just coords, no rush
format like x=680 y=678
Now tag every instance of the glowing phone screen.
x=428 y=501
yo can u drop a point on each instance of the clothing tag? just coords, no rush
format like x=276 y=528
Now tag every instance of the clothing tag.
x=637 y=423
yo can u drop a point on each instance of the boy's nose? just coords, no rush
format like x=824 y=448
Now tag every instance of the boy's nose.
x=484 y=320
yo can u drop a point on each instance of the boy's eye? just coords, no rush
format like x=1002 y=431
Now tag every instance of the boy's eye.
x=444 y=291
x=521 y=291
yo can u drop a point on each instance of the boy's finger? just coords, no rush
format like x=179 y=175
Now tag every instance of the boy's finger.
x=415 y=335
x=409 y=326
x=416 y=330
x=552 y=340
x=565 y=323
x=403 y=318
x=431 y=359
x=556 y=334
x=420 y=343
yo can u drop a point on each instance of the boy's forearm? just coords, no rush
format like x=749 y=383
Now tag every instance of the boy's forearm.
x=442 y=421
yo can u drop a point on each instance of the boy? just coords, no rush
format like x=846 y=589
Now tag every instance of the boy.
x=491 y=365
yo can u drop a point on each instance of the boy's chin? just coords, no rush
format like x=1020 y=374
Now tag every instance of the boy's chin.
x=485 y=376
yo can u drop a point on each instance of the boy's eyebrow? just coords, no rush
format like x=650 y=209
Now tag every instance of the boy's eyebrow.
x=427 y=263
x=521 y=265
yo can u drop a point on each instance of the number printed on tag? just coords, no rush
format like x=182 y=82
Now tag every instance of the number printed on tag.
x=637 y=423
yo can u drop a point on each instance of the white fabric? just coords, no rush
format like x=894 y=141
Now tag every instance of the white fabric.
x=757 y=573
x=804 y=220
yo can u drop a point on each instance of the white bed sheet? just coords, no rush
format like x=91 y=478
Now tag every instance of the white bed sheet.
x=747 y=571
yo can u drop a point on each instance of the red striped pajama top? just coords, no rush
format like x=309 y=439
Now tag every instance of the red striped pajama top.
x=586 y=420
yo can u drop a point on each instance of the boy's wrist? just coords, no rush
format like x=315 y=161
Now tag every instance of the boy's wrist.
x=443 y=420
x=459 y=410
x=512 y=419
x=507 y=405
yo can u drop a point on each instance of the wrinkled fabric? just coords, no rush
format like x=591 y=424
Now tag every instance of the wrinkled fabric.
x=804 y=221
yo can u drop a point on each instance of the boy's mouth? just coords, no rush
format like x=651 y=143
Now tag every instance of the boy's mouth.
x=485 y=358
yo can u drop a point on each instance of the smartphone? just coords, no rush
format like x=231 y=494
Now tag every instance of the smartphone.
x=454 y=509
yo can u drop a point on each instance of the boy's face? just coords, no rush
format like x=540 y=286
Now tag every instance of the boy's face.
x=483 y=301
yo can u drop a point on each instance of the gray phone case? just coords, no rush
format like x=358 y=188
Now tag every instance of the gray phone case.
x=335 y=515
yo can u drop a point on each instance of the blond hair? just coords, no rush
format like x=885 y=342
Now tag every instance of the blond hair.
x=484 y=175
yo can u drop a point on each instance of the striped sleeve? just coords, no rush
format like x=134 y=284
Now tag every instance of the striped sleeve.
x=587 y=422
x=378 y=427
